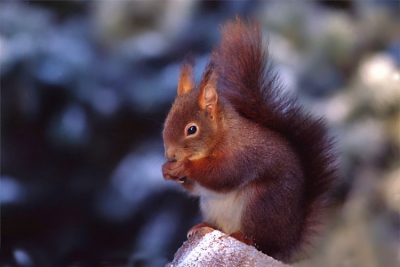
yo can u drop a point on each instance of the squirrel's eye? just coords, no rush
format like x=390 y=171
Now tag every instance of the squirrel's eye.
x=191 y=130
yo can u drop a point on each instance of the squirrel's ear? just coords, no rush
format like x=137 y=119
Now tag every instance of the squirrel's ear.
x=208 y=97
x=186 y=80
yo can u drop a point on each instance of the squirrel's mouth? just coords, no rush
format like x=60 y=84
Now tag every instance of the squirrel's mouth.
x=182 y=180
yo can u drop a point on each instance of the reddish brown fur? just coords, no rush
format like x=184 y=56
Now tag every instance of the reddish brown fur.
x=259 y=144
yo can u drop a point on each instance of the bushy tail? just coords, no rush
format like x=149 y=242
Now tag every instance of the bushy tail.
x=250 y=85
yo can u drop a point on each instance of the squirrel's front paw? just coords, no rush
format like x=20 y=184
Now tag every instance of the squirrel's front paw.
x=174 y=170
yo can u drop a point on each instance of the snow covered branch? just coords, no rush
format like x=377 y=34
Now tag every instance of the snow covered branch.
x=210 y=247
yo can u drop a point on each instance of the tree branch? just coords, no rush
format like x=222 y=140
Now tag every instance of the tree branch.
x=211 y=247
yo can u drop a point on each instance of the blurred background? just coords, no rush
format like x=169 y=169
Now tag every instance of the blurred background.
x=86 y=86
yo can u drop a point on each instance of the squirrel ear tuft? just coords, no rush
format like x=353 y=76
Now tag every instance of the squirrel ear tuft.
x=186 y=80
x=208 y=97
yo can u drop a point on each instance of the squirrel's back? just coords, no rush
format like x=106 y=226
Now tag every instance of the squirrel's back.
x=248 y=83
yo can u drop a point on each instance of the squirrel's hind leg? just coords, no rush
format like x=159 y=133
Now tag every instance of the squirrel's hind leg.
x=197 y=228
x=238 y=235
x=244 y=239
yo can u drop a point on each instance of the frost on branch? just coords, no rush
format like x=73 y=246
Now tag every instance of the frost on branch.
x=210 y=247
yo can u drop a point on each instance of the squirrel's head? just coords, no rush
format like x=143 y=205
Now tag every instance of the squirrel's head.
x=192 y=123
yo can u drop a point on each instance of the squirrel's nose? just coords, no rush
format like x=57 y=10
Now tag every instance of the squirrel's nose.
x=169 y=154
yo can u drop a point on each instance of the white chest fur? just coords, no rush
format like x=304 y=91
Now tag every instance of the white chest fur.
x=222 y=210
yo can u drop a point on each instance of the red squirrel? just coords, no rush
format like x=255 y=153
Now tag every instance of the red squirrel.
x=260 y=164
